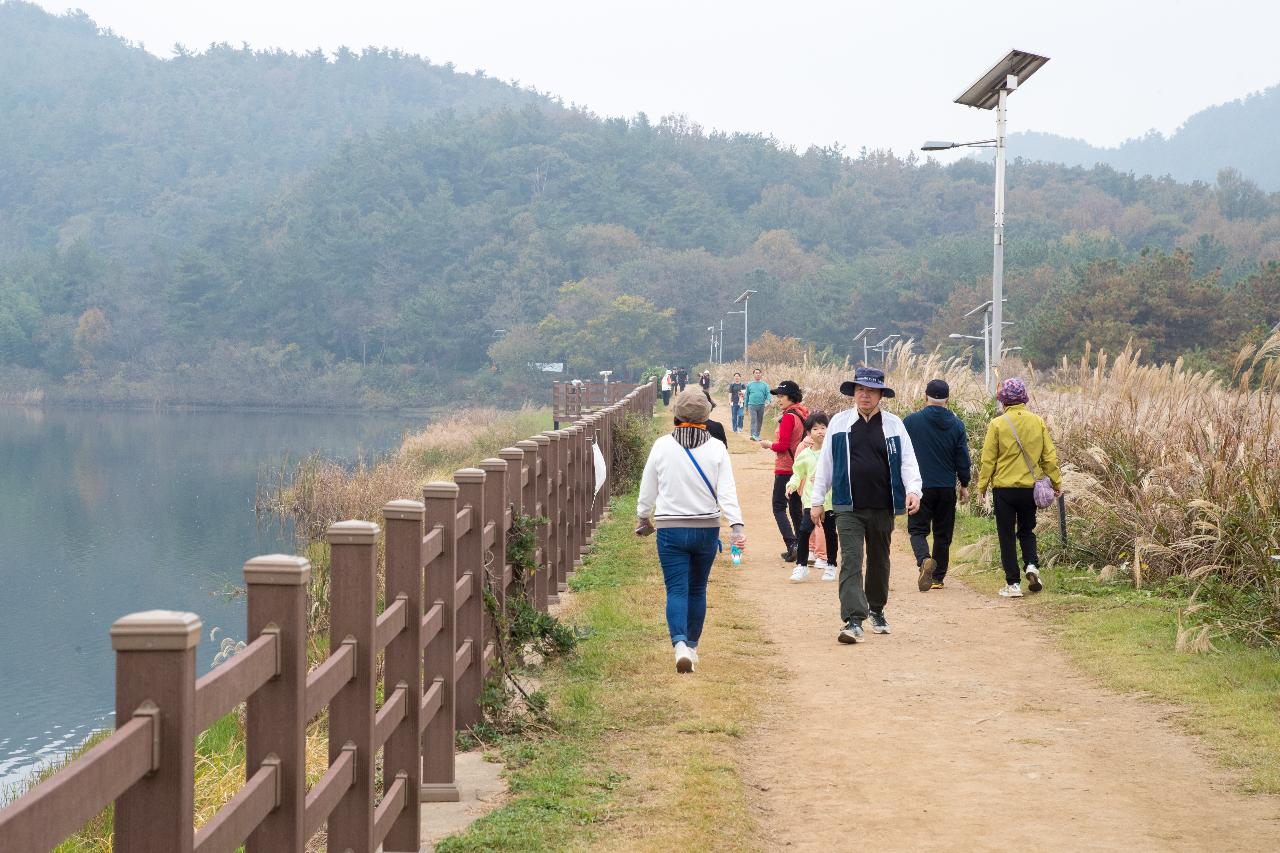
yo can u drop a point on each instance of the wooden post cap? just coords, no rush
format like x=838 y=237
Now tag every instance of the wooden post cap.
x=404 y=510
x=542 y=438
x=468 y=475
x=352 y=532
x=278 y=570
x=494 y=464
x=440 y=489
x=527 y=444
x=156 y=631
x=512 y=453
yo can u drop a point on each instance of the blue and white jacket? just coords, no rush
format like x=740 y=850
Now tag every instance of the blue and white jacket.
x=833 y=462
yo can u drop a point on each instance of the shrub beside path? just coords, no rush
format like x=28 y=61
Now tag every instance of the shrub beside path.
x=965 y=729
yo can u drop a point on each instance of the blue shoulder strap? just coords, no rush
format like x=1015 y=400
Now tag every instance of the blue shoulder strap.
x=714 y=496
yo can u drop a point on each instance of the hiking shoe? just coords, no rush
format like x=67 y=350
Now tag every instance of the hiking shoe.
x=879 y=624
x=790 y=554
x=829 y=573
x=936 y=585
x=800 y=573
x=1013 y=590
x=926 y=574
x=1033 y=578
x=684 y=658
x=850 y=633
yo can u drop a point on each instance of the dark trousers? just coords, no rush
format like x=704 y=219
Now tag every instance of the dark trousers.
x=870 y=529
x=806 y=530
x=937 y=515
x=1015 y=519
x=786 y=509
x=666 y=398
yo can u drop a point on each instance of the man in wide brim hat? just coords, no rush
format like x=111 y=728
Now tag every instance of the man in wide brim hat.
x=869 y=465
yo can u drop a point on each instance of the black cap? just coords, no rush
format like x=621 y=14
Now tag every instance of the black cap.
x=789 y=388
x=937 y=389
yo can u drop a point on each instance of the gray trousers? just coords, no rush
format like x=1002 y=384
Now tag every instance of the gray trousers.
x=757 y=419
x=871 y=529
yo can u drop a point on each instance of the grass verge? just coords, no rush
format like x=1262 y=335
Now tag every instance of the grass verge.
x=641 y=758
x=1126 y=638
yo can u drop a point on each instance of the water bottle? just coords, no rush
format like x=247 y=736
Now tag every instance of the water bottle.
x=735 y=555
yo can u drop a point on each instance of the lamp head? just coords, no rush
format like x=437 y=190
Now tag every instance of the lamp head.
x=936 y=145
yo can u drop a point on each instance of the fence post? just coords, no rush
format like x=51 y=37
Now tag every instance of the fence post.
x=515 y=500
x=560 y=572
x=495 y=559
x=275 y=715
x=402 y=664
x=156 y=673
x=581 y=493
x=531 y=504
x=471 y=607
x=568 y=473
x=438 y=783
x=353 y=549
x=544 y=587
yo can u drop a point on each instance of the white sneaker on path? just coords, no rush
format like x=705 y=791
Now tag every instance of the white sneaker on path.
x=800 y=573
x=684 y=658
x=1013 y=590
x=829 y=574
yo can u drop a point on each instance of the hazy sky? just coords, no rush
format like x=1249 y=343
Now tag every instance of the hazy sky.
x=878 y=74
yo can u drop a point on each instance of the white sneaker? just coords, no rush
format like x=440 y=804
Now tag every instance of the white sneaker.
x=684 y=657
x=829 y=574
x=800 y=573
x=1013 y=590
x=1033 y=578
x=821 y=564
x=693 y=653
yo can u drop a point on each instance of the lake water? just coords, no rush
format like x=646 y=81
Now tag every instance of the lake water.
x=103 y=513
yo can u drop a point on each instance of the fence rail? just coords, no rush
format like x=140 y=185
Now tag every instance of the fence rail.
x=572 y=400
x=437 y=640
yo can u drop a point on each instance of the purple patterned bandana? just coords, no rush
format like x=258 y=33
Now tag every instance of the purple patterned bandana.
x=1012 y=391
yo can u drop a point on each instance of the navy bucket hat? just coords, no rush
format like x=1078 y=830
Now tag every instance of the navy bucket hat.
x=867 y=377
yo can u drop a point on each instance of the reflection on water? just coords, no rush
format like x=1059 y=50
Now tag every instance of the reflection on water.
x=103 y=513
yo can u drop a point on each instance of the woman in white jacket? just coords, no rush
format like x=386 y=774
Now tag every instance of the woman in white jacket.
x=686 y=486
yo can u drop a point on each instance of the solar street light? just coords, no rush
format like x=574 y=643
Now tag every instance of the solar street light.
x=991 y=91
x=745 y=299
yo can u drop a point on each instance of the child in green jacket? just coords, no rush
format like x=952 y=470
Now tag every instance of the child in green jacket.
x=803 y=469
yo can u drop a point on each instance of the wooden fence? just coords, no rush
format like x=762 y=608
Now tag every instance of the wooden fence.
x=437 y=642
x=570 y=400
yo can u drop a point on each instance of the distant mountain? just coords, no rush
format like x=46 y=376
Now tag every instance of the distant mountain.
x=107 y=144
x=1240 y=134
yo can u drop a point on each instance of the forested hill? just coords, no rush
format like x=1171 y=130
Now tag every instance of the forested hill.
x=243 y=227
x=1240 y=135
x=104 y=142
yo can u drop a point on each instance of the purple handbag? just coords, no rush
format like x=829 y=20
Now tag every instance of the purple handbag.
x=1042 y=493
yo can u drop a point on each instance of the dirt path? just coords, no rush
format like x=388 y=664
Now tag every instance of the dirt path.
x=963 y=730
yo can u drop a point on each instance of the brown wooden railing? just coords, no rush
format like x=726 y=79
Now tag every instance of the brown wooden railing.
x=436 y=637
x=571 y=400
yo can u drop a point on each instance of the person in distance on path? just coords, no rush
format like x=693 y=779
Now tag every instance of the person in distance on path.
x=869 y=467
x=665 y=387
x=686 y=487
x=942 y=449
x=786 y=507
x=736 y=389
x=757 y=395
x=1016 y=446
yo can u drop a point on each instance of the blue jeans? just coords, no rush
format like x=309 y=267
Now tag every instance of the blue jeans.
x=737 y=417
x=686 y=554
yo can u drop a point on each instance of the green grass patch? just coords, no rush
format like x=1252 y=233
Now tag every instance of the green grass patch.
x=631 y=737
x=1126 y=638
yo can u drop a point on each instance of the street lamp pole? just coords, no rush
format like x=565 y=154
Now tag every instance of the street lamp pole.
x=745 y=299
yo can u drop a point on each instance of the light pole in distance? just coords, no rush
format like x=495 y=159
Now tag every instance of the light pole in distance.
x=745 y=299
x=863 y=337
x=992 y=91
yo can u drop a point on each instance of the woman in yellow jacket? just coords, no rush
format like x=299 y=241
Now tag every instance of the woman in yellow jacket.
x=1012 y=481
